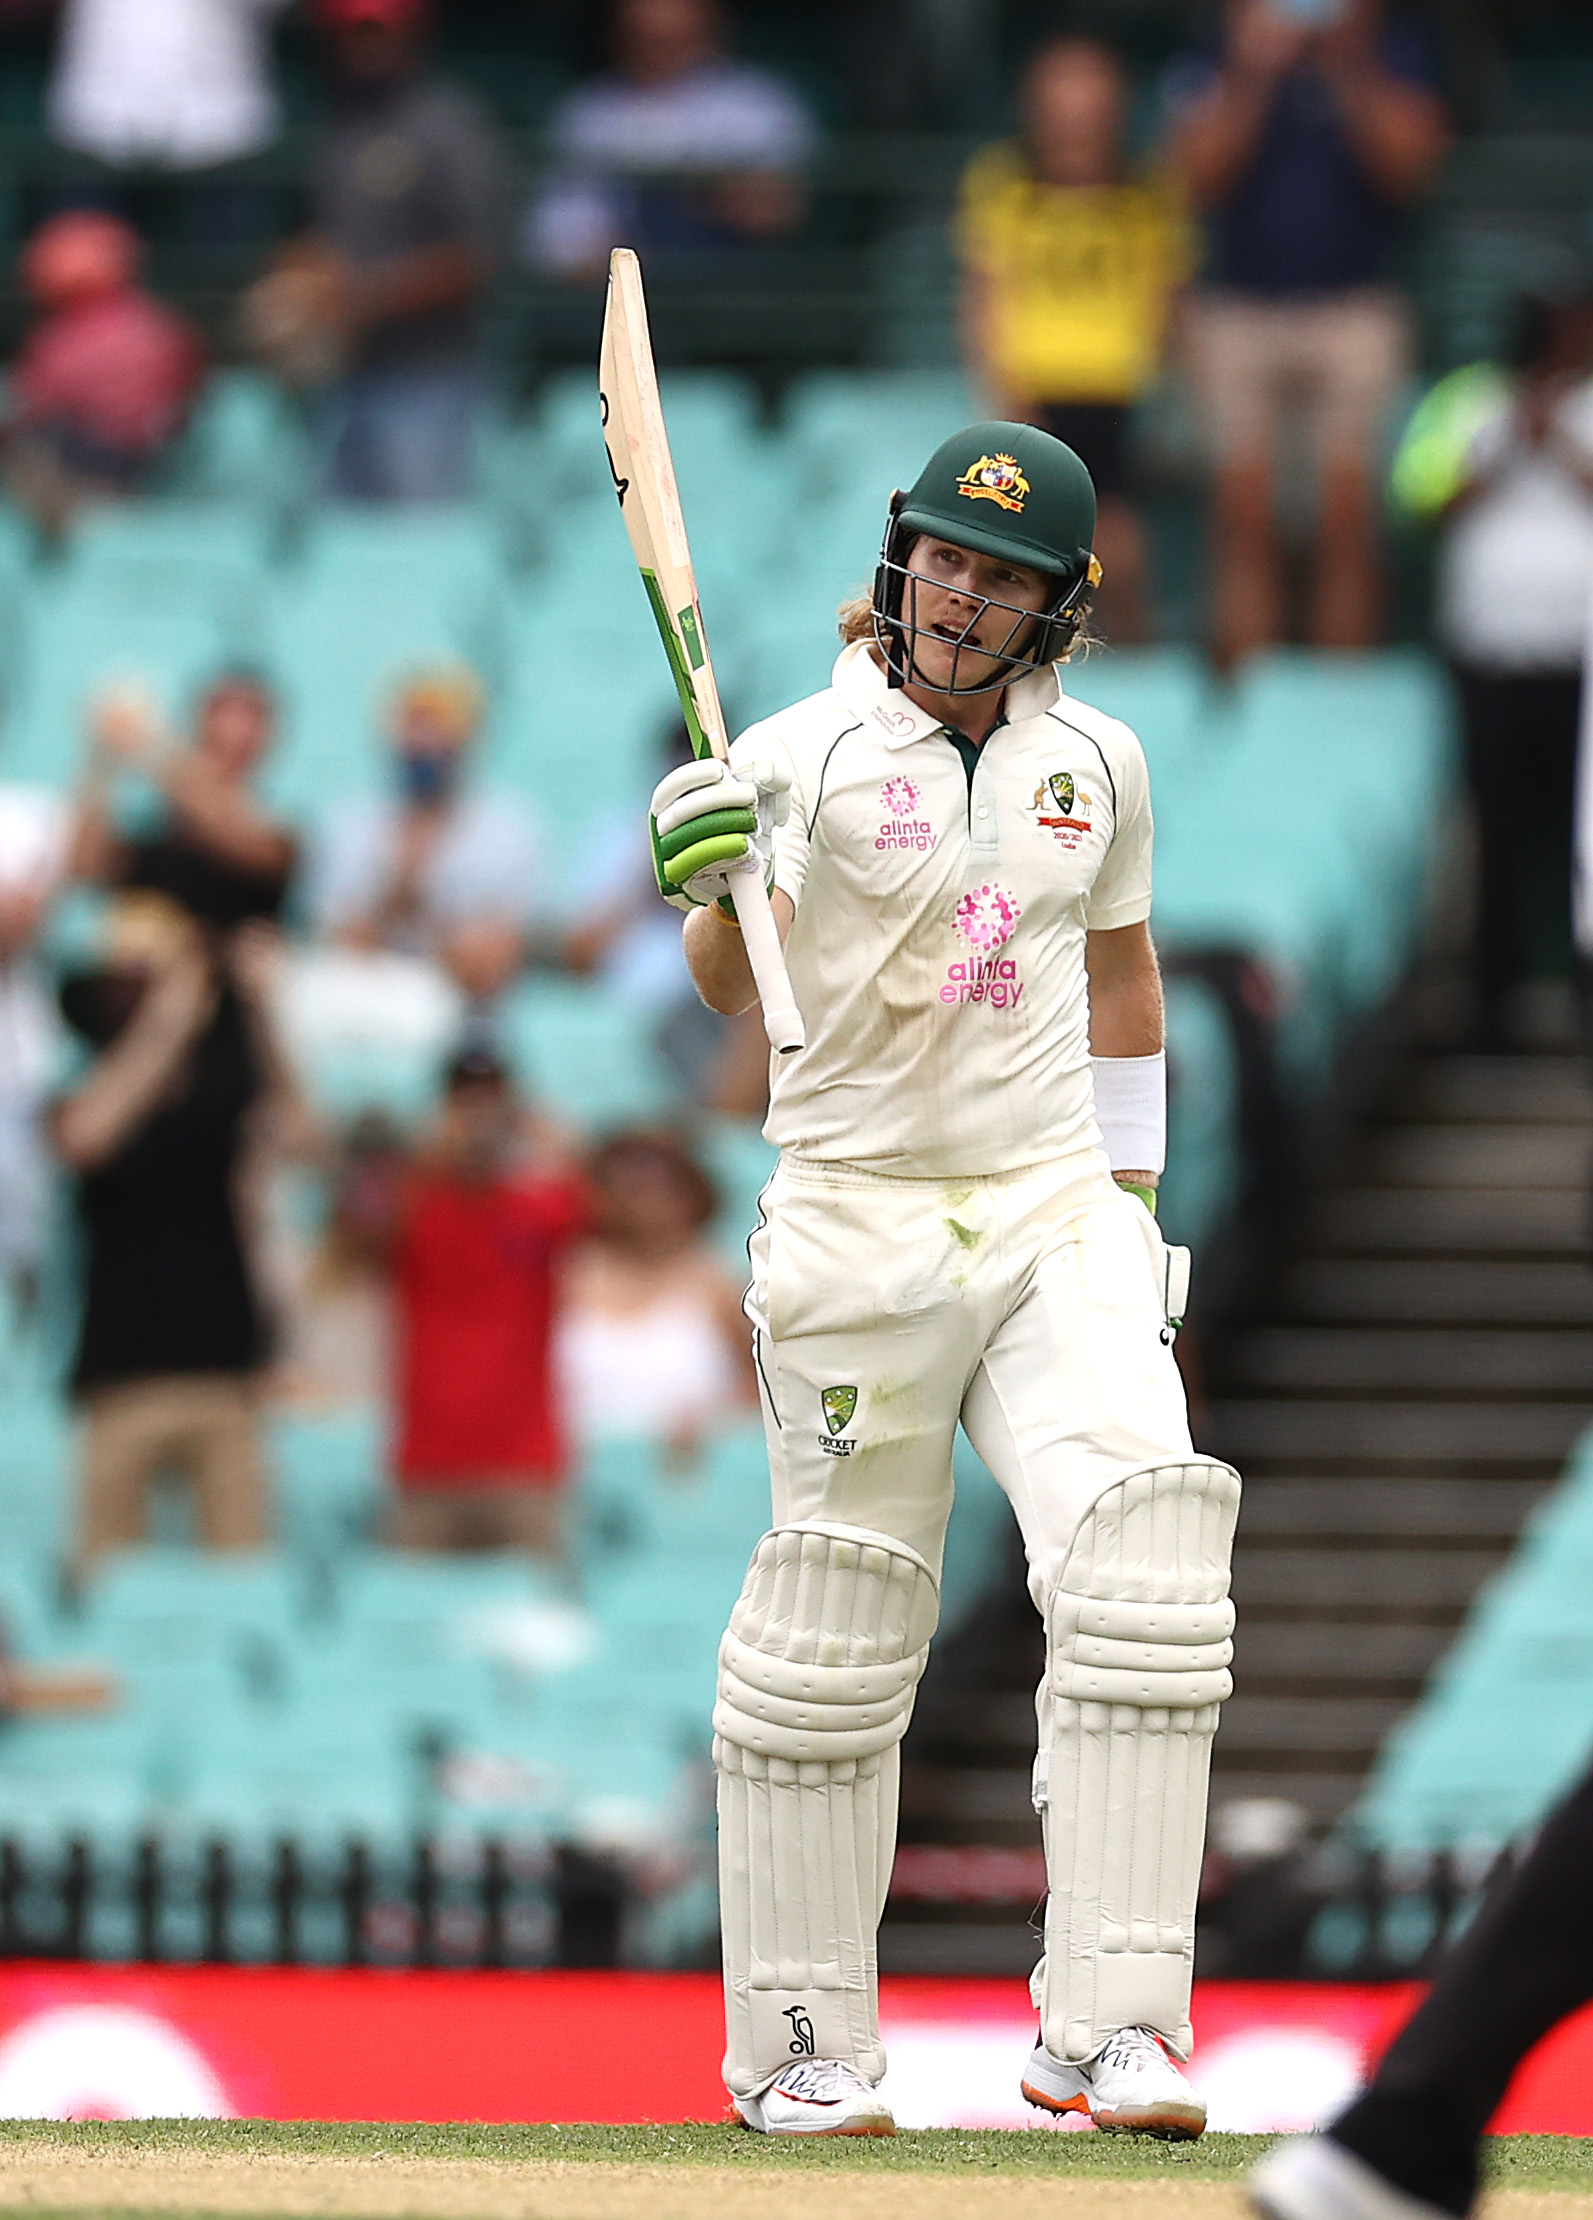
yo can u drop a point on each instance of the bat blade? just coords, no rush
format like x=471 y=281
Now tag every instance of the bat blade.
x=649 y=499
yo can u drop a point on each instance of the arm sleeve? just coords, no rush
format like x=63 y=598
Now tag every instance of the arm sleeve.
x=1121 y=894
x=758 y=745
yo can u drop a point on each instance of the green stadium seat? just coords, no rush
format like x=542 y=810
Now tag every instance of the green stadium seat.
x=245 y=442
x=1506 y=1723
x=1161 y=693
x=1202 y=1181
x=374 y=597
x=329 y=1472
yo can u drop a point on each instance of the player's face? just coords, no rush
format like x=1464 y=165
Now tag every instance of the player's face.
x=945 y=595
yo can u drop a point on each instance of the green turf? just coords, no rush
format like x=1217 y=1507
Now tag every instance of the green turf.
x=1520 y=2161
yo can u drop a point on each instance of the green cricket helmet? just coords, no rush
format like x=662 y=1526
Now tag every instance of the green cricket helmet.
x=1007 y=490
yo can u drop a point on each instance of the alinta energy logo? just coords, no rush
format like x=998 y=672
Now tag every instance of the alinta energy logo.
x=903 y=826
x=986 y=919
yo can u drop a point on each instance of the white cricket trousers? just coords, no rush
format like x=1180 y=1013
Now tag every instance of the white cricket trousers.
x=1030 y=1307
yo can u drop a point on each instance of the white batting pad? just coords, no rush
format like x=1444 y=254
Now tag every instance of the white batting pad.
x=817 y=1676
x=1137 y=1655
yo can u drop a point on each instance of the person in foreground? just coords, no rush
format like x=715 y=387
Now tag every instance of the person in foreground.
x=1409 y=2147
x=961 y=1227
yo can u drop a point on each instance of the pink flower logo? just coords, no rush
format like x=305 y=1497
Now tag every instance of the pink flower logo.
x=986 y=918
x=900 y=797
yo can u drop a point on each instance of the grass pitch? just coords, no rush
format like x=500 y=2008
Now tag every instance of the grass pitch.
x=263 y=2170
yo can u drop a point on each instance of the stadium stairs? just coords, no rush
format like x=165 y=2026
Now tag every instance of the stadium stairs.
x=1401 y=1399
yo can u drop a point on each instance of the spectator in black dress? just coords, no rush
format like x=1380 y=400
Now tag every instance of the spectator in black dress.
x=217 y=853
x=158 y=1132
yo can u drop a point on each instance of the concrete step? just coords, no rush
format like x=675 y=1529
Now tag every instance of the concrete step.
x=1503 y=1221
x=1481 y=1155
x=1296 y=1724
x=1381 y=1434
x=1556 y=1089
x=1357 y=1579
x=1418 y=1509
x=1332 y=1652
x=1454 y=1220
x=1400 y=1292
x=1417 y=1360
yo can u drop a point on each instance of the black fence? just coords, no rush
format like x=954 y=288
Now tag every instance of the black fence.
x=432 y=1902
x=1341 y=1914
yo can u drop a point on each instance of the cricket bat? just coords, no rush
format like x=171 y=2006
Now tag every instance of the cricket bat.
x=644 y=479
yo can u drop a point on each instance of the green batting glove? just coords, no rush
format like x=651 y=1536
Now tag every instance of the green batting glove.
x=707 y=822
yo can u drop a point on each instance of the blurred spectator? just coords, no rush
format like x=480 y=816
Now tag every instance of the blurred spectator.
x=172 y=84
x=409 y=203
x=1502 y=457
x=337 y=1324
x=103 y=381
x=217 y=853
x=439 y=870
x=653 y=1340
x=674 y=146
x=1303 y=139
x=1070 y=262
x=159 y=1131
x=488 y=1210
x=34 y=831
x=627 y=938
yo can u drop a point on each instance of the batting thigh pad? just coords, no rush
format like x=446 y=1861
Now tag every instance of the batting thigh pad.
x=1137 y=1655
x=816 y=1682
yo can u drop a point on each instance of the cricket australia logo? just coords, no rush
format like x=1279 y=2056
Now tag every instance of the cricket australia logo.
x=1062 y=809
x=995 y=478
x=802 y=2038
x=838 y=1404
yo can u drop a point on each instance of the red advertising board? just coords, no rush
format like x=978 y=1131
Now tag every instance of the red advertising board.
x=289 y=2044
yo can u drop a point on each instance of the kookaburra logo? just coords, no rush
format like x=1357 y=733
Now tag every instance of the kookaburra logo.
x=801 y=2030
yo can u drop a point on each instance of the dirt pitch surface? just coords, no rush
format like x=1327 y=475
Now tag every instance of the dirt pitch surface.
x=191 y=2170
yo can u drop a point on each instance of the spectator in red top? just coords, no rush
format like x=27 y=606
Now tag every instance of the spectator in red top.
x=489 y=1209
x=103 y=381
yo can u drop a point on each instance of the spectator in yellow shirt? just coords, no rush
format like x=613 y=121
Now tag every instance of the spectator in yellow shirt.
x=1069 y=263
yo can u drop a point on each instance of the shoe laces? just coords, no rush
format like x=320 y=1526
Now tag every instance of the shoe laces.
x=819 y=2080
x=1129 y=2047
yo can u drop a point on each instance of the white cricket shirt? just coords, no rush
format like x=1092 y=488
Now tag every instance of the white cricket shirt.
x=938 y=950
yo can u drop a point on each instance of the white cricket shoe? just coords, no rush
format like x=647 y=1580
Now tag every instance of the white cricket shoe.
x=1313 y=2178
x=817 y=2096
x=1130 y=2087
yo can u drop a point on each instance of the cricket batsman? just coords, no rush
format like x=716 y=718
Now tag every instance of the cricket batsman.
x=961 y=1227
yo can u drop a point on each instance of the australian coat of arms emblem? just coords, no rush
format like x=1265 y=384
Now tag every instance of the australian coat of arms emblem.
x=995 y=478
x=1061 y=809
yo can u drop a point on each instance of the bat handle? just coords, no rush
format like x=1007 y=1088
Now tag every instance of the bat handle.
x=782 y=1020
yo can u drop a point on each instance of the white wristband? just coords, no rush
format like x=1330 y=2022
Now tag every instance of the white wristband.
x=1131 y=1110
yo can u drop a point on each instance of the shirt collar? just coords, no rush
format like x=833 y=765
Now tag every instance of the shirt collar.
x=861 y=684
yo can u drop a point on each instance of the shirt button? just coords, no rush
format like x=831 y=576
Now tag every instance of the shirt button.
x=983 y=812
